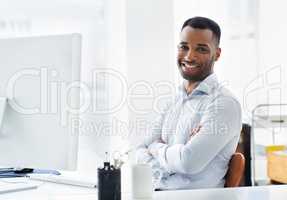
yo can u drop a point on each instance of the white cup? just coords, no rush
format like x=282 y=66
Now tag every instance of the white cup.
x=142 y=181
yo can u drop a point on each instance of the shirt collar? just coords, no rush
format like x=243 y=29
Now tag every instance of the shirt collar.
x=206 y=86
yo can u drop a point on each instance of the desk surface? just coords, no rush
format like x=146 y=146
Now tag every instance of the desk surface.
x=51 y=191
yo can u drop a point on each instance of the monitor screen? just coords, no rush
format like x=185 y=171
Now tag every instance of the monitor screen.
x=40 y=77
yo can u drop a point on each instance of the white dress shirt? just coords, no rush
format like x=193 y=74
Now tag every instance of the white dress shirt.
x=201 y=160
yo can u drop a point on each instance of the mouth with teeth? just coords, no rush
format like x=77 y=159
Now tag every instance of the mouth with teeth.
x=189 y=67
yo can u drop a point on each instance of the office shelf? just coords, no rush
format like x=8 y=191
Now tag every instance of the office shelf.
x=269 y=117
x=265 y=121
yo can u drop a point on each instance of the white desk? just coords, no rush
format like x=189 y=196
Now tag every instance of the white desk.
x=50 y=191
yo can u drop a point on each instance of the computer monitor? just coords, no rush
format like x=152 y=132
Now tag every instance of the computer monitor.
x=40 y=77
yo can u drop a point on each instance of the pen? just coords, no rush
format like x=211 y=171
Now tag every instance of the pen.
x=107 y=165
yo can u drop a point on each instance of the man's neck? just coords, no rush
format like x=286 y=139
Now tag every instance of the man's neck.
x=190 y=86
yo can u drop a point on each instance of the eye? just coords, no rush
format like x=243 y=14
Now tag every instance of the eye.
x=182 y=47
x=202 y=50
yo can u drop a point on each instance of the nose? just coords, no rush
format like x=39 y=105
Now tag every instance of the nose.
x=190 y=55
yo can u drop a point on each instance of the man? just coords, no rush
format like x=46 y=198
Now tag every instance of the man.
x=196 y=135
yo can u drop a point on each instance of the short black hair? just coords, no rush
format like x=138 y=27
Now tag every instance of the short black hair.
x=204 y=23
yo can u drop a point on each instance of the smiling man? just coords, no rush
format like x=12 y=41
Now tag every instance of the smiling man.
x=194 y=138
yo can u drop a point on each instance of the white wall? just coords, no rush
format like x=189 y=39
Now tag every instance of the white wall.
x=150 y=58
x=272 y=50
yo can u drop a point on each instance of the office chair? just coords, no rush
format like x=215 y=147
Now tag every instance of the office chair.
x=244 y=147
x=235 y=170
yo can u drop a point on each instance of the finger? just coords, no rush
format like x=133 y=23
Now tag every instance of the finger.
x=198 y=128
x=193 y=132
x=161 y=140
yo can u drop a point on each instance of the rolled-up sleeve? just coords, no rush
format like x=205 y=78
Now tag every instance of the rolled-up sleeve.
x=220 y=123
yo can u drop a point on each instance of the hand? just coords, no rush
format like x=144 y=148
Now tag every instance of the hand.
x=194 y=131
x=152 y=149
x=152 y=152
x=160 y=140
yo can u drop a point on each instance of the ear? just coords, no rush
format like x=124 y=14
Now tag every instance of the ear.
x=217 y=53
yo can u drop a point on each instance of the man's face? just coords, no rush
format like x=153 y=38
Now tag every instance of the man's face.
x=197 y=52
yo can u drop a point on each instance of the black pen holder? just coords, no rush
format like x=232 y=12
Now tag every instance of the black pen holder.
x=109 y=183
